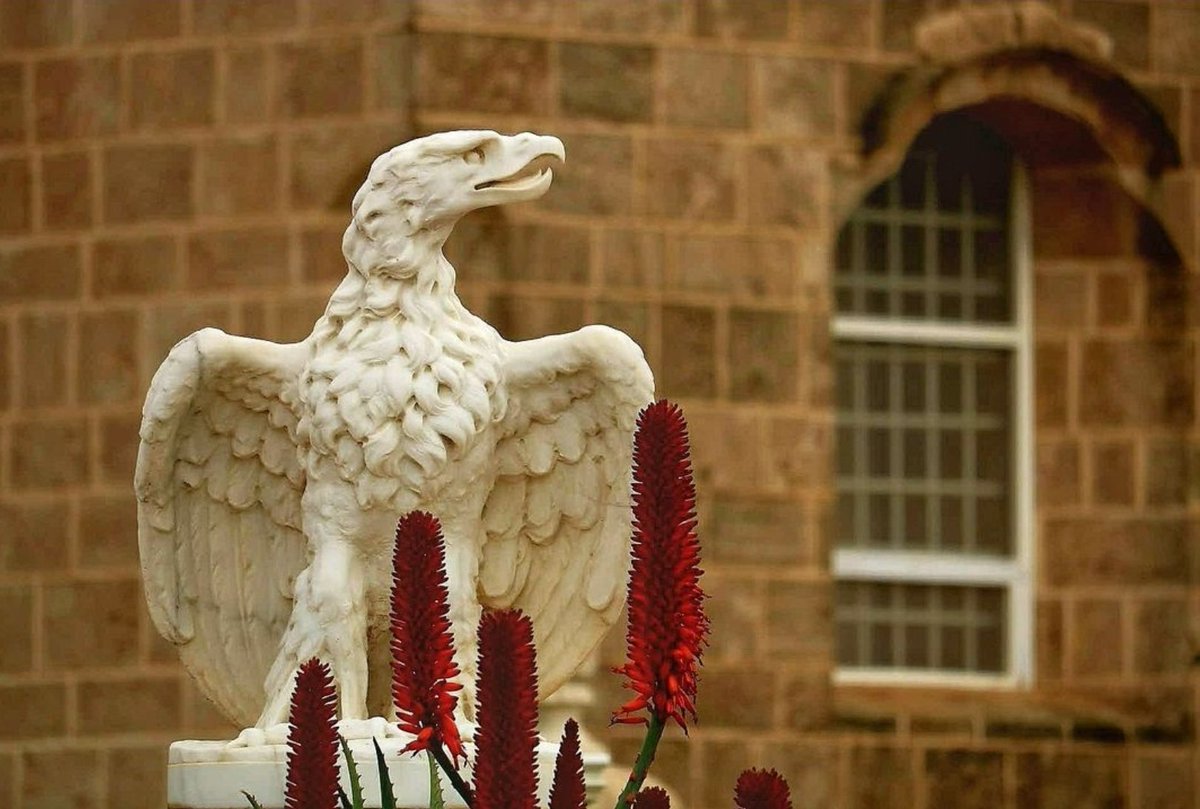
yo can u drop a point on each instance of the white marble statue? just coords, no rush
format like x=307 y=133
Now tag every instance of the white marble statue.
x=270 y=477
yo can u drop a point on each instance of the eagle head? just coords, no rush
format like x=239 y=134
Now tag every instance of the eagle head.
x=429 y=183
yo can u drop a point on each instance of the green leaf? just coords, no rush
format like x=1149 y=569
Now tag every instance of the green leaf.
x=436 y=801
x=356 y=796
x=253 y=803
x=387 y=795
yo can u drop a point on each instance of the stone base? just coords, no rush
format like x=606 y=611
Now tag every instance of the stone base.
x=212 y=775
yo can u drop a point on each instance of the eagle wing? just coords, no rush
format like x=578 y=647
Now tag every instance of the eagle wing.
x=218 y=483
x=558 y=517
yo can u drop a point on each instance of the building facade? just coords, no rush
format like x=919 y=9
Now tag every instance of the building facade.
x=922 y=275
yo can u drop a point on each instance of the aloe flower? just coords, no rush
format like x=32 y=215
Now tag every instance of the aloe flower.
x=423 y=668
x=652 y=798
x=506 y=741
x=312 y=771
x=568 y=791
x=762 y=789
x=667 y=627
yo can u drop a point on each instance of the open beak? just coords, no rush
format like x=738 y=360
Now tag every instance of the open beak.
x=520 y=170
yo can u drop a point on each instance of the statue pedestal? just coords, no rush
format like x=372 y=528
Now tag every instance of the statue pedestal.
x=212 y=775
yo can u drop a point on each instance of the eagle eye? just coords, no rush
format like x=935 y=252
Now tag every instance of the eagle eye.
x=474 y=157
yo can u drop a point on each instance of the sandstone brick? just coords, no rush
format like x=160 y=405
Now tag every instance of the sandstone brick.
x=89 y=624
x=16 y=196
x=234 y=17
x=550 y=254
x=109 y=359
x=811 y=769
x=44 y=273
x=799 y=620
x=1166 y=473
x=899 y=19
x=118 y=446
x=846 y=24
x=147 y=182
x=391 y=67
x=295 y=316
x=1096 y=218
x=1176 y=39
x=1084 y=551
x=1049 y=645
x=32 y=711
x=631 y=318
x=797 y=95
x=61 y=778
x=129 y=706
x=360 y=11
x=482 y=74
x=1169 y=296
x=1058 y=473
x=170 y=323
x=7 y=391
x=632 y=258
x=752 y=19
x=720 y=763
x=1115 y=299
x=16 y=623
x=597 y=177
x=632 y=16
x=138 y=265
x=965 y=778
x=1137 y=382
x=33 y=535
x=321 y=254
x=523 y=317
x=47 y=454
x=1162 y=642
x=763 y=355
x=705 y=89
x=35 y=25
x=1164 y=782
x=137 y=778
x=172 y=89
x=609 y=82
x=1096 y=630
x=756 y=532
x=44 y=339
x=788 y=186
x=736 y=697
x=67 y=190
x=736 y=608
x=13 y=123
x=689 y=352
x=479 y=247
x=328 y=164
x=1051 y=368
x=1075 y=780
x=126 y=20
x=689 y=179
x=726 y=449
x=239 y=175
x=76 y=98
x=865 y=87
x=238 y=258
x=246 y=97
x=509 y=11
x=1061 y=300
x=1113 y=474
x=796 y=454
x=321 y=77
x=891 y=781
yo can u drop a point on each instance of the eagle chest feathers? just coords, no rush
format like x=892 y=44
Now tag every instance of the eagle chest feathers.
x=395 y=400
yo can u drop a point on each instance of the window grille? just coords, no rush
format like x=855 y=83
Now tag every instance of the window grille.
x=933 y=527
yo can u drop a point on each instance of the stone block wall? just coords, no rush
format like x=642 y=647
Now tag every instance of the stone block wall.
x=169 y=164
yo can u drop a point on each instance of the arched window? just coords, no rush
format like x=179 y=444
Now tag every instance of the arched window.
x=934 y=473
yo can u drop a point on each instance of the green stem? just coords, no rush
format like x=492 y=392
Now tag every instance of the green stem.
x=456 y=781
x=641 y=766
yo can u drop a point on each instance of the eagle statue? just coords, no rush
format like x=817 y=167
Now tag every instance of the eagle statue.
x=270 y=477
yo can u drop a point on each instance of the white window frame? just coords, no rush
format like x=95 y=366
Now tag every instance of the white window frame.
x=1015 y=573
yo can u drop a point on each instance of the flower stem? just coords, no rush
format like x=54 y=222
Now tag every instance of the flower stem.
x=641 y=766
x=456 y=781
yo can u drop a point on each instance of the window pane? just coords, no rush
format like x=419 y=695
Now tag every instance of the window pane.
x=918 y=626
x=923 y=449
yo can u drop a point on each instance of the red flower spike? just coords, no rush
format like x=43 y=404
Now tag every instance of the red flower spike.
x=667 y=627
x=423 y=668
x=506 y=741
x=652 y=798
x=762 y=789
x=569 y=790
x=312 y=770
